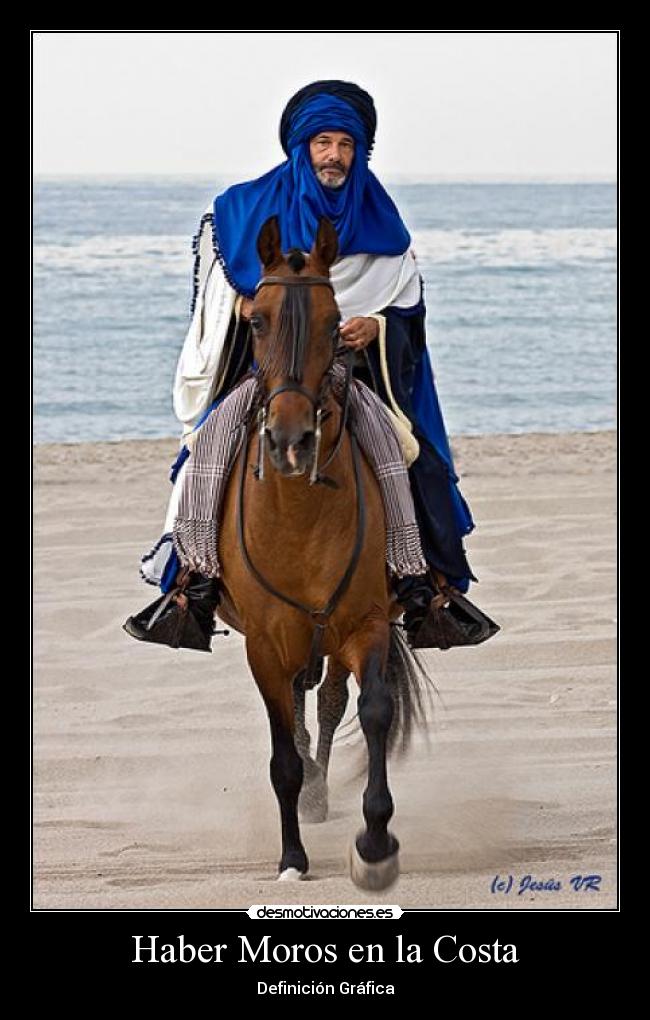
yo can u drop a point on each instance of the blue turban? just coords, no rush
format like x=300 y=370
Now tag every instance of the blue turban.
x=347 y=90
x=365 y=217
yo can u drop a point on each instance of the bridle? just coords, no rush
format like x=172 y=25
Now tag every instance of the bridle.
x=319 y=616
x=316 y=476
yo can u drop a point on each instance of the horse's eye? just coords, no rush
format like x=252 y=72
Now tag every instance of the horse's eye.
x=256 y=322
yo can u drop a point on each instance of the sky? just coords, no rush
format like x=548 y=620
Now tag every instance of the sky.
x=451 y=105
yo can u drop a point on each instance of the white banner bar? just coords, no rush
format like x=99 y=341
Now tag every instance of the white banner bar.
x=326 y=911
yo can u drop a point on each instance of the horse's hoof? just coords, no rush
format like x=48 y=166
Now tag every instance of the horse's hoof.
x=373 y=877
x=291 y=875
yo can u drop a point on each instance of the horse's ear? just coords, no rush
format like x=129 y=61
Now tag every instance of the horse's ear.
x=268 y=243
x=326 y=245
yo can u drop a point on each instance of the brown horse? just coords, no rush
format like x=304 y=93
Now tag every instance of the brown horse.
x=301 y=553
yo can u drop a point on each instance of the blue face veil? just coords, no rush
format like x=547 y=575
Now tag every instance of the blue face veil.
x=365 y=217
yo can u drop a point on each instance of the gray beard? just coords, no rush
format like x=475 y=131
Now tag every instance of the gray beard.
x=327 y=183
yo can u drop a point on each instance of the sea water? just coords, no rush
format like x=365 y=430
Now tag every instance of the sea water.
x=520 y=288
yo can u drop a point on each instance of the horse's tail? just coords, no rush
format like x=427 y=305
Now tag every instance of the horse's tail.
x=411 y=688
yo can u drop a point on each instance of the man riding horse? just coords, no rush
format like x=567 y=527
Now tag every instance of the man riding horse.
x=327 y=131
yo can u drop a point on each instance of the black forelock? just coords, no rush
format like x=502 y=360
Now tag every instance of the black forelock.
x=296 y=259
x=360 y=100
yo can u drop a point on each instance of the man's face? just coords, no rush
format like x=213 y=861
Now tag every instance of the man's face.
x=331 y=154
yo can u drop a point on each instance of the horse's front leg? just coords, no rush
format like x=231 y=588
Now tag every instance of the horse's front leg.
x=374 y=860
x=276 y=687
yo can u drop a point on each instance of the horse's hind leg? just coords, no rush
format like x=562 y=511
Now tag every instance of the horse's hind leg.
x=276 y=688
x=332 y=702
x=373 y=857
x=312 y=803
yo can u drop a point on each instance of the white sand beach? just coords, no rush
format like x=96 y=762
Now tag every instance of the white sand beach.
x=151 y=784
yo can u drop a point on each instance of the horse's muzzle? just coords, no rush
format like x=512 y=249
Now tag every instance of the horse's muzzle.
x=291 y=455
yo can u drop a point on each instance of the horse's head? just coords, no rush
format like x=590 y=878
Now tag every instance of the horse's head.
x=295 y=322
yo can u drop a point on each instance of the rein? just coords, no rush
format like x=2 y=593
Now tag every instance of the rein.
x=319 y=616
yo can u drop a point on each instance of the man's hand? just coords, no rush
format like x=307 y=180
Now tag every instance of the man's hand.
x=246 y=308
x=359 y=332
